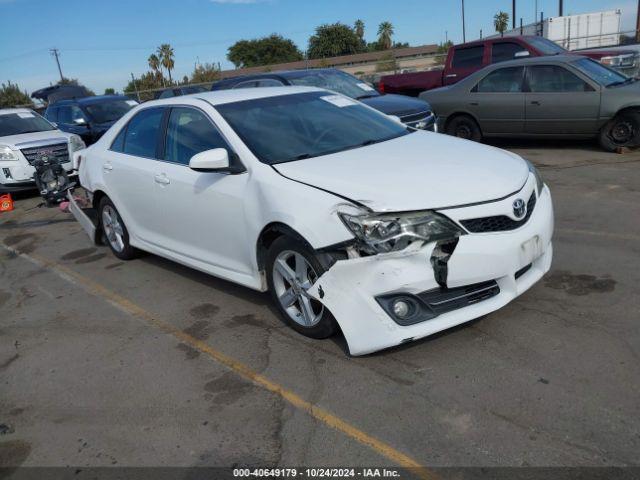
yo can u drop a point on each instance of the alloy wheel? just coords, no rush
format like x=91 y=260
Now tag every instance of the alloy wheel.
x=292 y=278
x=112 y=226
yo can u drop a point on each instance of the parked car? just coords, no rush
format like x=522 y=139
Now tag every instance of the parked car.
x=89 y=117
x=179 y=91
x=465 y=59
x=24 y=138
x=560 y=96
x=349 y=218
x=415 y=113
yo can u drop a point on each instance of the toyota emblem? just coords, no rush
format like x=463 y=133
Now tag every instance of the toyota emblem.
x=519 y=208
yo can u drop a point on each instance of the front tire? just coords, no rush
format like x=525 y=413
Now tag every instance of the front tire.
x=622 y=131
x=464 y=126
x=292 y=268
x=115 y=231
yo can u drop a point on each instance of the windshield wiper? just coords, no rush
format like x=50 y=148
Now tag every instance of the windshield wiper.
x=622 y=82
x=370 y=95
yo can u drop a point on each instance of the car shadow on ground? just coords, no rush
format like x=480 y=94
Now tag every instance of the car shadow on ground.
x=586 y=145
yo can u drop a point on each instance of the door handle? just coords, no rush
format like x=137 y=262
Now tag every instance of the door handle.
x=107 y=167
x=162 y=179
x=451 y=75
x=475 y=104
x=535 y=102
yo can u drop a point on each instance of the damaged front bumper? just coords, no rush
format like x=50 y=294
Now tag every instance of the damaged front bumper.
x=485 y=272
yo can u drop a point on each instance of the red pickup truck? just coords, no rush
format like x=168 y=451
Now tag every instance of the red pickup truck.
x=463 y=60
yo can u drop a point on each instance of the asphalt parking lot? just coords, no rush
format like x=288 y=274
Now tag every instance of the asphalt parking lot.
x=149 y=363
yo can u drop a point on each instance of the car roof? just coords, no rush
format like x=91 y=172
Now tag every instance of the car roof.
x=277 y=73
x=219 y=97
x=90 y=100
x=7 y=111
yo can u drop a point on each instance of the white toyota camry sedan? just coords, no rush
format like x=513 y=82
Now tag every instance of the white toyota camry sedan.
x=349 y=219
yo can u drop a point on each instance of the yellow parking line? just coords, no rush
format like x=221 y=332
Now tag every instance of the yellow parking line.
x=239 y=368
x=621 y=236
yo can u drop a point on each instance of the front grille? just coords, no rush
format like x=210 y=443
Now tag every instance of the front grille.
x=499 y=223
x=60 y=151
x=415 y=117
x=444 y=300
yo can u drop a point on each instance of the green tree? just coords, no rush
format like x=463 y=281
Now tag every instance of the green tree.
x=166 y=57
x=334 y=40
x=147 y=81
x=263 y=51
x=442 y=51
x=109 y=91
x=154 y=63
x=501 y=22
x=359 y=28
x=12 y=96
x=385 y=32
x=387 y=63
x=206 y=72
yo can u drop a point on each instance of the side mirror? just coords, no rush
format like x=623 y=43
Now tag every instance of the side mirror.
x=521 y=54
x=215 y=160
x=395 y=118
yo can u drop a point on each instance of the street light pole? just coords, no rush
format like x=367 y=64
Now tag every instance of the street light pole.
x=464 y=37
x=513 y=14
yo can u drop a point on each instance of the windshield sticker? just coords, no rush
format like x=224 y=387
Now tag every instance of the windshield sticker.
x=133 y=103
x=366 y=87
x=338 y=100
x=25 y=115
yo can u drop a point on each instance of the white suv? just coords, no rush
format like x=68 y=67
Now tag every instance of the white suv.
x=25 y=135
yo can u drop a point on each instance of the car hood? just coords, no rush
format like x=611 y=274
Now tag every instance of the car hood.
x=17 y=142
x=399 y=105
x=422 y=170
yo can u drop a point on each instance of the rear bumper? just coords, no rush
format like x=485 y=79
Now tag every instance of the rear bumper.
x=86 y=217
x=351 y=288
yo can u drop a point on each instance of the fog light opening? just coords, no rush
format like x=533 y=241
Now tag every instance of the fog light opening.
x=401 y=308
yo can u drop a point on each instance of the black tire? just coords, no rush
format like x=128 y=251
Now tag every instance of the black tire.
x=622 y=131
x=127 y=252
x=464 y=126
x=326 y=326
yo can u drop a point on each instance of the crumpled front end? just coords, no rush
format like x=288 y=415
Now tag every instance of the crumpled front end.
x=445 y=283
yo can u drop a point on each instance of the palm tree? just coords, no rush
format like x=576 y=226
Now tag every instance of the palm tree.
x=385 y=32
x=165 y=54
x=501 y=22
x=154 y=63
x=359 y=28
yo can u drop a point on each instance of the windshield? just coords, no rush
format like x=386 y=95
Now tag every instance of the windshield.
x=333 y=80
x=294 y=127
x=603 y=75
x=546 y=46
x=110 y=110
x=23 y=122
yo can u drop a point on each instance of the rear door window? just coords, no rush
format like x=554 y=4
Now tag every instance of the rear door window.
x=143 y=132
x=503 y=51
x=504 y=80
x=469 y=57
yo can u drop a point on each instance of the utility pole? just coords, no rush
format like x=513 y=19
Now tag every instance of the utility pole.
x=513 y=14
x=464 y=36
x=560 y=9
x=55 y=52
x=135 y=87
x=638 y=23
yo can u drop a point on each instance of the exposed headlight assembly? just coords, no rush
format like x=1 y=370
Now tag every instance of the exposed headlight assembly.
x=536 y=173
x=390 y=232
x=6 y=154
x=620 y=61
x=76 y=143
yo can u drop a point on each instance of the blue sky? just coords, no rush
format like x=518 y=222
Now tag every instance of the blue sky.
x=102 y=42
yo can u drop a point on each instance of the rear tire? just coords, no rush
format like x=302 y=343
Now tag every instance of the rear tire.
x=115 y=231
x=288 y=286
x=622 y=131
x=464 y=126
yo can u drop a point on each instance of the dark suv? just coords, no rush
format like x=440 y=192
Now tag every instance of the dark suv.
x=413 y=112
x=89 y=117
x=179 y=91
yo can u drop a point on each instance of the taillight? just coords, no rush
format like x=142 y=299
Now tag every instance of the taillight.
x=381 y=86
